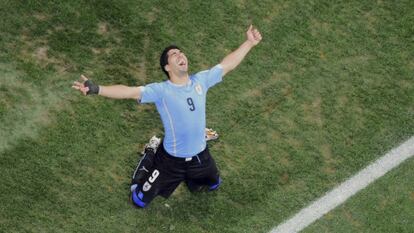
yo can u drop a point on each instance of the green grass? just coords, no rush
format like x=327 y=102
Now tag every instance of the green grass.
x=386 y=206
x=329 y=90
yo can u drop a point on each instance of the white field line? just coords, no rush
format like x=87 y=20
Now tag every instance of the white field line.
x=348 y=188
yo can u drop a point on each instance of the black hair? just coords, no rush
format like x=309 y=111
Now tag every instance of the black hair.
x=164 y=58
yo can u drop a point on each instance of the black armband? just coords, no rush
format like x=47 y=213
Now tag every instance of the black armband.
x=93 y=88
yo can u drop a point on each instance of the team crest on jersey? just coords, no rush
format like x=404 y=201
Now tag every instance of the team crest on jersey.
x=198 y=89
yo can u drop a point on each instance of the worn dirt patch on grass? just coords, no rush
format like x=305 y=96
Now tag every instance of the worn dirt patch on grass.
x=275 y=10
x=348 y=216
x=103 y=28
x=313 y=112
x=328 y=166
x=25 y=109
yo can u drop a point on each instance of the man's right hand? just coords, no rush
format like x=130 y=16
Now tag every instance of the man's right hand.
x=86 y=87
x=253 y=35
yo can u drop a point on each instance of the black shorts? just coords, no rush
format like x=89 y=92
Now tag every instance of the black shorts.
x=168 y=172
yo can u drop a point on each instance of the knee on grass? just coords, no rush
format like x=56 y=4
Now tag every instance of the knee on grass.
x=215 y=186
x=194 y=187
x=137 y=198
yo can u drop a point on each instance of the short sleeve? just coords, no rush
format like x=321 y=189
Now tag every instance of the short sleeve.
x=151 y=93
x=210 y=77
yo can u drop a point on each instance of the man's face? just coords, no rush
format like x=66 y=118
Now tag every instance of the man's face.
x=177 y=61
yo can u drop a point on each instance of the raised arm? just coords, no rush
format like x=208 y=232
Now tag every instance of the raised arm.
x=232 y=60
x=87 y=87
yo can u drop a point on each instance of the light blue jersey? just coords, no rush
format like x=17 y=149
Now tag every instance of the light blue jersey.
x=183 y=110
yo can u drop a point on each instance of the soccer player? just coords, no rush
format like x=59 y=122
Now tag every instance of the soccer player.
x=182 y=155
